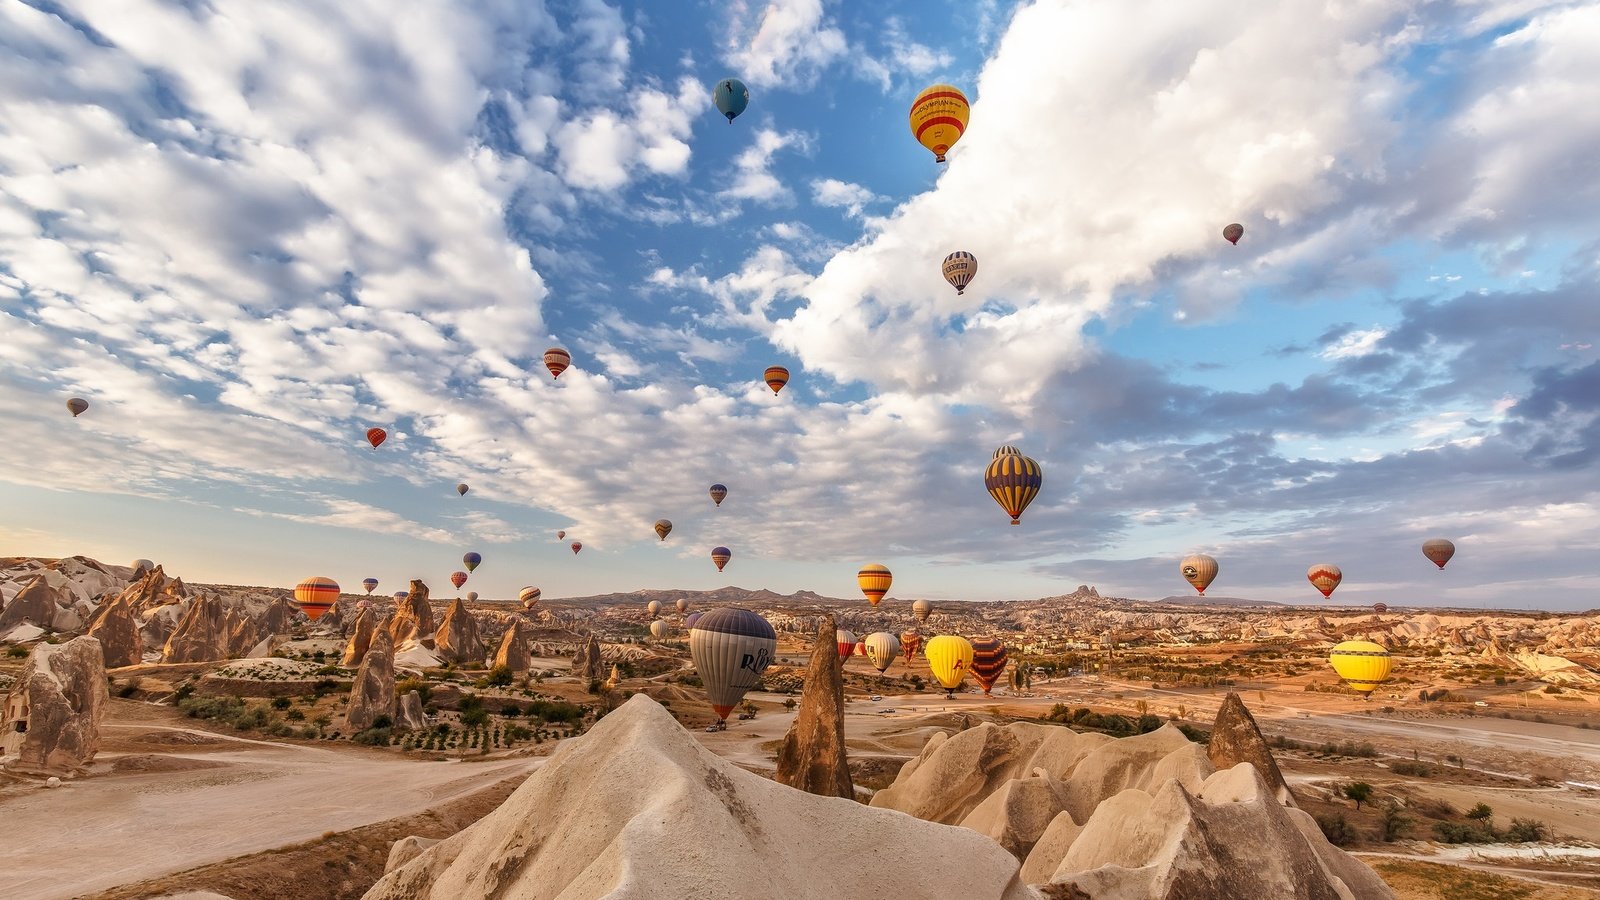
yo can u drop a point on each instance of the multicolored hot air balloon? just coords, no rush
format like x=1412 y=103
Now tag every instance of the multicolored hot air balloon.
x=861 y=648
x=316 y=595
x=458 y=578
x=76 y=406
x=720 y=556
x=690 y=620
x=959 y=269
x=653 y=607
x=1013 y=481
x=371 y=584
x=472 y=596
x=471 y=560
x=731 y=647
x=922 y=609
x=561 y=535
x=1362 y=664
x=731 y=97
x=1380 y=608
x=718 y=492
x=461 y=489
x=874 y=581
x=938 y=118
x=909 y=642
x=557 y=360
x=576 y=546
x=1325 y=577
x=683 y=605
x=401 y=595
x=1438 y=550
x=659 y=629
x=846 y=639
x=529 y=596
x=776 y=377
x=1232 y=233
x=663 y=528
x=1199 y=570
x=883 y=648
x=376 y=436
x=988 y=662
x=949 y=657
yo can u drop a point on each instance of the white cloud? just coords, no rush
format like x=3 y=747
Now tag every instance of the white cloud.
x=604 y=151
x=753 y=178
x=792 y=42
x=836 y=193
x=1356 y=343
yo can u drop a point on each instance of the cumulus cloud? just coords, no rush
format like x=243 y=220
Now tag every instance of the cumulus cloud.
x=835 y=193
x=791 y=43
x=753 y=177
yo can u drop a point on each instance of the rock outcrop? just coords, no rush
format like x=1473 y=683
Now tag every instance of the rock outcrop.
x=413 y=617
x=42 y=604
x=586 y=664
x=51 y=721
x=812 y=758
x=606 y=816
x=361 y=634
x=409 y=714
x=514 y=652
x=1235 y=738
x=372 y=695
x=457 y=639
x=116 y=627
x=202 y=635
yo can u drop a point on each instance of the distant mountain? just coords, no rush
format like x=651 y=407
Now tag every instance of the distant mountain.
x=1185 y=600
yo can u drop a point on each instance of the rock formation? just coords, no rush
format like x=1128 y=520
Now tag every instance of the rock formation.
x=51 y=722
x=1235 y=738
x=372 y=695
x=116 y=627
x=39 y=603
x=457 y=640
x=812 y=757
x=413 y=617
x=606 y=817
x=202 y=635
x=586 y=664
x=409 y=714
x=514 y=653
x=361 y=633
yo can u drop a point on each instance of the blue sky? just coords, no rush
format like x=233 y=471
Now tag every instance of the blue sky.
x=247 y=234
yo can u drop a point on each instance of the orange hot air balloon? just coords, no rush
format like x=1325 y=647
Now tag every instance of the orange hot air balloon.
x=316 y=596
x=77 y=405
x=1438 y=550
x=874 y=581
x=1325 y=577
x=988 y=662
x=776 y=377
x=376 y=436
x=576 y=546
x=909 y=642
x=939 y=117
x=1199 y=570
x=1013 y=480
x=557 y=360
x=1233 y=232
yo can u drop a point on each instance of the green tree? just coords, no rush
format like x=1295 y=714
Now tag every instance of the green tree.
x=1395 y=825
x=1482 y=812
x=1359 y=791
x=500 y=676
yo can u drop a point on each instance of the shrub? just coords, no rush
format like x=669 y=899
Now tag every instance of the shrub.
x=1358 y=791
x=17 y=651
x=500 y=676
x=472 y=711
x=382 y=722
x=1527 y=830
x=1458 y=833
x=281 y=702
x=1336 y=829
x=376 y=737
x=1480 y=812
x=1407 y=767
x=295 y=715
x=1394 y=824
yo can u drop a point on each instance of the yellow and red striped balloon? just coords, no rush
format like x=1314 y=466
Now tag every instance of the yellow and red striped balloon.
x=1013 y=480
x=316 y=595
x=988 y=661
x=776 y=377
x=874 y=581
x=939 y=118
x=1325 y=577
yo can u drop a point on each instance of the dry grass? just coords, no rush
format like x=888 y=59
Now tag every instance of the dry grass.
x=1413 y=880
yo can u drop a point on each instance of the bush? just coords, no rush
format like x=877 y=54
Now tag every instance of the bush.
x=1358 y=791
x=500 y=676
x=17 y=651
x=1480 y=812
x=472 y=711
x=376 y=737
x=1459 y=833
x=383 y=722
x=1394 y=824
x=1408 y=767
x=280 y=702
x=1336 y=829
x=295 y=715
x=1527 y=830
x=407 y=685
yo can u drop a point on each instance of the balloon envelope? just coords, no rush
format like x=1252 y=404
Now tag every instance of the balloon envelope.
x=874 y=581
x=909 y=642
x=659 y=629
x=938 y=118
x=846 y=639
x=720 y=556
x=1233 y=232
x=471 y=561
x=77 y=405
x=144 y=564
x=1380 y=608
x=316 y=595
x=731 y=97
x=1199 y=570
x=557 y=360
x=988 y=661
x=1362 y=664
x=883 y=648
x=959 y=269
x=401 y=595
x=776 y=377
x=561 y=535
x=371 y=584
x=458 y=579
x=376 y=436
x=663 y=528
x=472 y=596
x=731 y=647
x=691 y=619
x=1325 y=577
x=462 y=489
x=1013 y=480
x=718 y=492
x=529 y=596
x=922 y=609
x=683 y=604
x=949 y=658
x=1439 y=550
x=576 y=546
x=653 y=607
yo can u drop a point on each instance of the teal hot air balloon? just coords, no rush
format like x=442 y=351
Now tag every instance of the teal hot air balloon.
x=471 y=561
x=731 y=97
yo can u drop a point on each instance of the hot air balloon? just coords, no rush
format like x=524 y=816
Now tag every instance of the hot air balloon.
x=316 y=596
x=690 y=620
x=401 y=595
x=1380 y=608
x=861 y=648
x=376 y=436
x=363 y=605
x=922 y=609
x=1325 y=577
x=461 y=489
x=653 y=607
x=576 y=546
x=458 y=579
x=720 y=556
x=683 y=605
x=883 y=648
x=1439 y=550
x=561 y=535
x=938 y=117
x=472 y=596
x=1199 y=570
x=731 y=97
x=371 y=584
x=718 y=492
x=1013 y=481
x=1233 y=232
x=471 y=561
x=949 y=657
x=988 y=662
x=776 y=377
x=909 y=642
x=1362 y=664
x=144 y=565
x=731 y=647
x=663 y=528
x=846 y=639
x=659 y=629
x=874 y=581
x=557 y=360
x=76 y=406
x=959 y=269
x=529 y=596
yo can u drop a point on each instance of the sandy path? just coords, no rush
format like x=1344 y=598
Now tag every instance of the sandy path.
x=109 y=830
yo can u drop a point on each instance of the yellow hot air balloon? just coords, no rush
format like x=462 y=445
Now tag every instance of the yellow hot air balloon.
x=938 y=118
x=950 y=658
x=1013 y=480
x=874 y=581
x=1362 y=664
x=1199 y=570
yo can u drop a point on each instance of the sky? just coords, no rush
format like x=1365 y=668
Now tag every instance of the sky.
x=247 y=232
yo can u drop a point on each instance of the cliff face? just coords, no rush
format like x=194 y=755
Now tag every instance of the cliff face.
x=813 y=757
x=52 y=715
